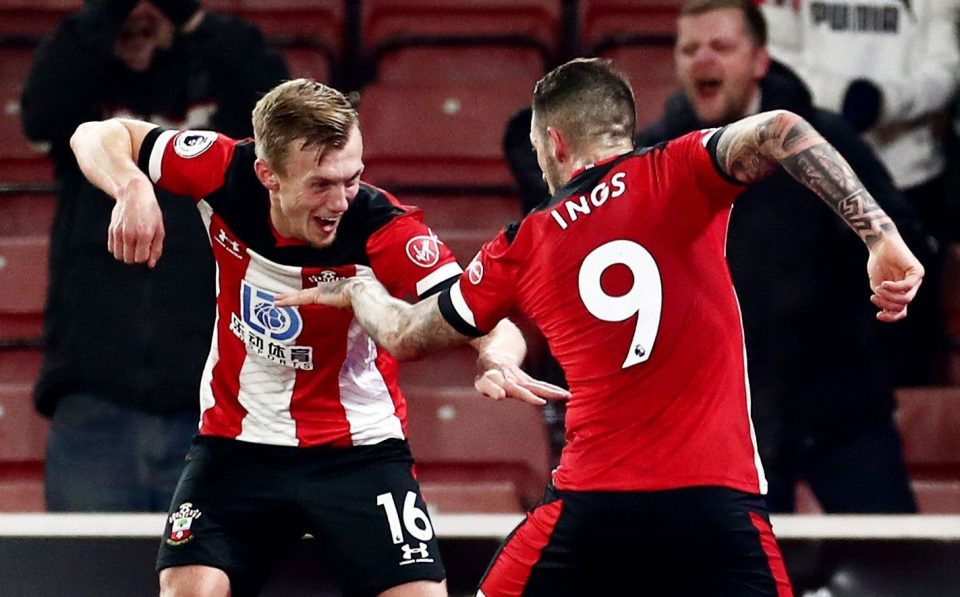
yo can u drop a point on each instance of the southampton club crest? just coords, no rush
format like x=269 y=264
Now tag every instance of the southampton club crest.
x=180 y=523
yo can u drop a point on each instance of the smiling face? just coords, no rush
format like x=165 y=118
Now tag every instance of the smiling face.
x=308 y=199
x=719 y=65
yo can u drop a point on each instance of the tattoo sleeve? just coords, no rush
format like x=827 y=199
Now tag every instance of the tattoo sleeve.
x=750 y=149
x=406 y=331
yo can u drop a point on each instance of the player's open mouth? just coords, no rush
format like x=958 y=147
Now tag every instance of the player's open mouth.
x=328 y=225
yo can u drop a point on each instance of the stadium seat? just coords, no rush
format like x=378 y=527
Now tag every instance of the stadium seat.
x=319 y=22
x=651 y=73
x=23 y=287
x=443 y=135
x=24 y=214
x=607 y=23
x=482 y=213
x=389 y=23
x=309 y=62
x=929 y=422
x=479 y=64
x=463 y=441
x=24 y=432
x=19 y=161
x=19 y=365
x=33 y=18
x=21 y=489
x=450 y=368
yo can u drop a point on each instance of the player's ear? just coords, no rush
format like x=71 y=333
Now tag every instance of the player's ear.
x=266 y=175
x=559 y=144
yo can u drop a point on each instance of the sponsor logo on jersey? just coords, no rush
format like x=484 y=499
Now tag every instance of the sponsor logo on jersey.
x=420 y=551
x=424 y=250
x=180 y=523
x=475 y=272
x=268 y=330
x=232 y=246
x=190 y=144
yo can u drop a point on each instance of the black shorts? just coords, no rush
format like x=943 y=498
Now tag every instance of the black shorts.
x=698 y=541
x=240 y=507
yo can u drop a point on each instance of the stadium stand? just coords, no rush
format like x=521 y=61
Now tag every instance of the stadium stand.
x=23 y=287
x=26 y=214
x=33 y=18
x=929 y=421
x=474 y=454
x=439 y=136
x=24 y=434
x=605 y=23
x=20 y=162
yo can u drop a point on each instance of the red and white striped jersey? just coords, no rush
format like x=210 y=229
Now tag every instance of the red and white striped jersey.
x=294 y=376
x=624 y=272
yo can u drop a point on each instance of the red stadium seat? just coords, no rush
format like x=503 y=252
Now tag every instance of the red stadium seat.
x=613 y=22
x=446 y=135
x=33 y=18
x=19 y=160
x=308 y=62
x=454 y=213
x=317 y=21
x=24 y=432
x=427 y=65
x=462 y=439
x=950 y=299
x=391 y=22
x=24 y=214
x=929 y=422
x=651 y=72
x=23 y=287
x=19 y=365
x=21 y=489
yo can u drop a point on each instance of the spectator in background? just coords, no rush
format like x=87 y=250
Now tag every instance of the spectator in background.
x=822 y=400
x=123 y=398
x=892 y=69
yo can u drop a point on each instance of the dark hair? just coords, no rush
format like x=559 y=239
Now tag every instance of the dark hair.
x=586 y=98
x=756 y=24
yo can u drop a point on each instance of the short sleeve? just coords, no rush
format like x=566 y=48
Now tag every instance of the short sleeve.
x=484 y=294
x=696 y=154
x=408 y=258
x=188 y=163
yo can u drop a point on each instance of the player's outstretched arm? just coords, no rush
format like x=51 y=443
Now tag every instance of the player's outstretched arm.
x=107 y=155
x=412 y=331
x=751 y=148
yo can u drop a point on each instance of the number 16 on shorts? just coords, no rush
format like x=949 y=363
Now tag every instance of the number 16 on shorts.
x=414 y=519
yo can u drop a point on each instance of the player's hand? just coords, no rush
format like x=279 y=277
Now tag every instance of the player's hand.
x=499 y=381
x=136 y=225
x=895 y=276
x=331 y=294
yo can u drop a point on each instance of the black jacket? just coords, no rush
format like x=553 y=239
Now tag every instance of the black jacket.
x=132 y=335
x=814 y=351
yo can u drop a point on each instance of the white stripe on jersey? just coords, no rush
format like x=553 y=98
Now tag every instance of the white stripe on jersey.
x=266 y=389
x=364 y=395
x=207 y=399
x=156 y=156
x=438 y=275
x=456 y=297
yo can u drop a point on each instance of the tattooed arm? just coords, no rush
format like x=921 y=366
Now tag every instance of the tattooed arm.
x=413 y=331
x=748 y=150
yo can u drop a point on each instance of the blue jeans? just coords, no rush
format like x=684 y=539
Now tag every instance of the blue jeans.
x=104 y=457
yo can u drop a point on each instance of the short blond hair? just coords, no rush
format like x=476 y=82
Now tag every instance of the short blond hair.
x=301 y=109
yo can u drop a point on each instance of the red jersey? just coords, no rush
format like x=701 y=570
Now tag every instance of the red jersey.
x=295 y=376
x=624 y=272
